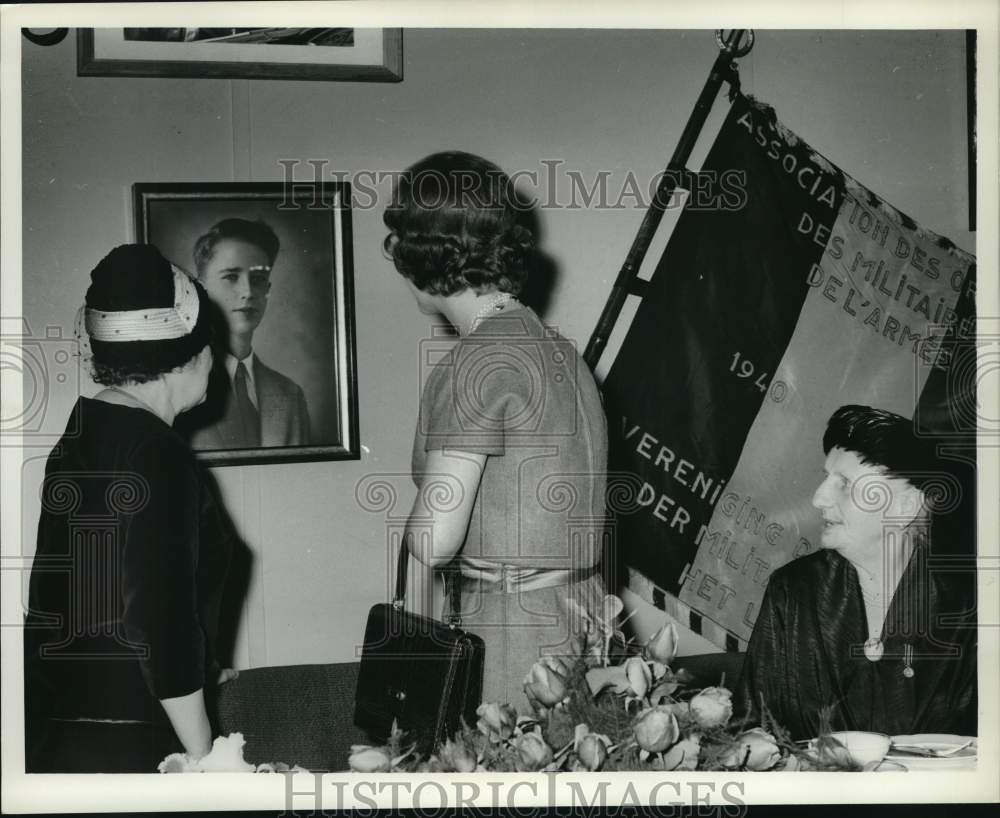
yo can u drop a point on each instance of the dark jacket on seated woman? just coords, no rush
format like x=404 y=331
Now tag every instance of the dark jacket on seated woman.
x=876 y=631
x=806 y=652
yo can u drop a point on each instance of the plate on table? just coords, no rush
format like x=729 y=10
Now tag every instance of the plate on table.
x=962 y=760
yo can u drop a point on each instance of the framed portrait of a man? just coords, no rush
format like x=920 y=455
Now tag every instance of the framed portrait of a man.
x=275 y=260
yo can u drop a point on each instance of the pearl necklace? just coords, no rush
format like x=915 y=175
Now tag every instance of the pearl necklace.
x=498 y=303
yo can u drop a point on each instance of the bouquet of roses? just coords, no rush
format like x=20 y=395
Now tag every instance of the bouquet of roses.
x=599 y=711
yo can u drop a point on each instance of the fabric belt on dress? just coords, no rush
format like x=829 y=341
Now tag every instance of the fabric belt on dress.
x=511 y=579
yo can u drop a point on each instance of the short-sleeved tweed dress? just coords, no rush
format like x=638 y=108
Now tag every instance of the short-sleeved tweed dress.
x=520 y=394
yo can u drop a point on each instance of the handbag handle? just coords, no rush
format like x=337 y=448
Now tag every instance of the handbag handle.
x=452 y=584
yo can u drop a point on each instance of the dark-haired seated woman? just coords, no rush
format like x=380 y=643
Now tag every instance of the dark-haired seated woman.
x=511 y=447
x=131 y=552
x=868 y=630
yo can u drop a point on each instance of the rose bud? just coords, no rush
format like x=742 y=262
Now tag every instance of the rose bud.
x=547 y=686
x=656 y=729
x=532 y=752
x=662 y=645
x=712 y=707
x=496 y=721
x=755 y=749
x=639 y=675
x=684 y=754
x=365 y=759
x=455 y=756
x=592 y=750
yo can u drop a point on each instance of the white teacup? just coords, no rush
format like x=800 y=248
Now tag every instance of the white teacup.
x=864 y=748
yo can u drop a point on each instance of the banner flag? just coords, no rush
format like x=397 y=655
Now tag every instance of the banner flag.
x=786 y=290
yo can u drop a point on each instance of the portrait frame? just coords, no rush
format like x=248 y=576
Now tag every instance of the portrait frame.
x=307 y=332
x=375 y=55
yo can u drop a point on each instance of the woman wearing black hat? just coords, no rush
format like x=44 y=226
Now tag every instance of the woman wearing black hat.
x=131 y=555
x=875 y=631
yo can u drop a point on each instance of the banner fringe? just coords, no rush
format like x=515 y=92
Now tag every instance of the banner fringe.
x=650 y=592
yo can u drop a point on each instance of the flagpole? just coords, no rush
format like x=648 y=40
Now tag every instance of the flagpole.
x=723 y=70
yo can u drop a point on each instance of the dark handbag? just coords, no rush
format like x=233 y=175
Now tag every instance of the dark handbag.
x=425 y=675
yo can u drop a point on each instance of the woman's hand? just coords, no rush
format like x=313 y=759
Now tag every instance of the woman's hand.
x=227 y=674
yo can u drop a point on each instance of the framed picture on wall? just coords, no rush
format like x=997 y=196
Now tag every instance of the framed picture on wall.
x=275 y=260
x=357 y=54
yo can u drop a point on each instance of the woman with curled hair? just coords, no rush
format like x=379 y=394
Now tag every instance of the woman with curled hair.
x=510 y=452
x=131 y=551
x=866 y=630
x=455 y=222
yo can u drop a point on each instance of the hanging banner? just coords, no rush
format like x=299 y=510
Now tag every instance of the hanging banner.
x=786 y=290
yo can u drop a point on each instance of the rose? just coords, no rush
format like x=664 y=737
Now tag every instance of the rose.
x=592 y=752
x=365 y=759
x=684 y=754
x=496 y=721
x=456 y=756
x=712 y=707
x=639 y=675
x=532 y=752
x=590 y=748
x=545 y=685
x=662 y=646
x=655 y=729
x=755 y=749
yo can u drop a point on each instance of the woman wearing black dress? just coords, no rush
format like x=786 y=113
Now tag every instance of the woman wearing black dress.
x=131 y=554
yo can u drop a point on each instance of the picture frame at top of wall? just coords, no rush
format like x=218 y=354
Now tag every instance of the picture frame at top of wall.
x=338 y=54
x=276 y=263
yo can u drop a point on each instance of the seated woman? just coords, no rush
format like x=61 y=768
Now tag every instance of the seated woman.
x=866 y=630
x=131 y=553
x=510 y=453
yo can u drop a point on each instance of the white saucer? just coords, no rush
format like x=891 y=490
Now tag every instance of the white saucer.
x=962 y=760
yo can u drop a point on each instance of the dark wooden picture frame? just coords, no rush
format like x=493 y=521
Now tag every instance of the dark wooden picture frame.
x=375 y=56
x=306 y=329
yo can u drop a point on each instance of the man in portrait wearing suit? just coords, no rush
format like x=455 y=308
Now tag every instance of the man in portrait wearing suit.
x=260 y=407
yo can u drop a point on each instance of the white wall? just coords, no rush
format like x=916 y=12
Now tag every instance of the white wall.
x=889 y=107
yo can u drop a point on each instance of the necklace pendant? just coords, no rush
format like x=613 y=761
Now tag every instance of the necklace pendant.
x=874 y=649
x=908 y=661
